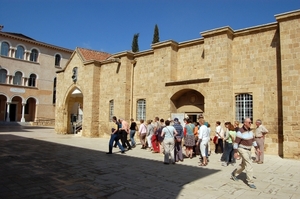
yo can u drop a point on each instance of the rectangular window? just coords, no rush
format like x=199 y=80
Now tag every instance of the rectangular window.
x=243 y=107
x=111 y=109
x=141 y=110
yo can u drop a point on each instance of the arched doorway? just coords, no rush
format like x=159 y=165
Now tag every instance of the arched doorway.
x=3 y=101
x=30 y=108
x=15 y=109
x=74 y=105
x=189 y=102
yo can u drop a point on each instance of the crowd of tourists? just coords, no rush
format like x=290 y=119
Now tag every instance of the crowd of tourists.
x=178 y=141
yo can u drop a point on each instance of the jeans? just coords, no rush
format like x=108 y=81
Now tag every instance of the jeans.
x=228 y=153
x=132 y=133
x=114 y=138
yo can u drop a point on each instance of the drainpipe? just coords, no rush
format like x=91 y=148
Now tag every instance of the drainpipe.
x=133 y=62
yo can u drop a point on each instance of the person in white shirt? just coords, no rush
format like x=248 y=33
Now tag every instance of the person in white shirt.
x=142 y=134
x=203 y=138
x=219 y=134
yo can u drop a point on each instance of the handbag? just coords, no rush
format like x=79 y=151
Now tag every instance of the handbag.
x=215 y=140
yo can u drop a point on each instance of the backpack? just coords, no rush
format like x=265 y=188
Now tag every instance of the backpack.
x=158 y=134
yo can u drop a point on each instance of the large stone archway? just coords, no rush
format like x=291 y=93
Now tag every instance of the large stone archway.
x=190 y=102
x=74 y=109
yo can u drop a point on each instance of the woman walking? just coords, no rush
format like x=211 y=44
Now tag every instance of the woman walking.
x=169 y=142
x=189 y=138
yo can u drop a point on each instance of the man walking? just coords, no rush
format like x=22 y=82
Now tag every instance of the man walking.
x=114 y=137
x=242 y=145
x=260 y=133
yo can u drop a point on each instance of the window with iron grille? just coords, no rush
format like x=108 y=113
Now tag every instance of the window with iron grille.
x=111 y=109
x=243 y=107
x=141 y=110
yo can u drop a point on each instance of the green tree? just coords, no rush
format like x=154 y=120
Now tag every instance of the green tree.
x=155 y=35
x=135 y=43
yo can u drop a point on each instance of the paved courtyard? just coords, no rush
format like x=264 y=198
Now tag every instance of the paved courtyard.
x=35 y=162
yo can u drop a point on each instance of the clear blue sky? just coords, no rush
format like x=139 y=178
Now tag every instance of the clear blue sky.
x=109 y=25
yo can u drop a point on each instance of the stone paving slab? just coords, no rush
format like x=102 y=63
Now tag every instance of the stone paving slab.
x=38 y=163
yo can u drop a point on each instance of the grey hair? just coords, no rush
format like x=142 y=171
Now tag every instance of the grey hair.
x=259 y=121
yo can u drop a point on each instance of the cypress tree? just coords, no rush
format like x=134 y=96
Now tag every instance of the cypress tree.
x=135 y=44
x=155 y=35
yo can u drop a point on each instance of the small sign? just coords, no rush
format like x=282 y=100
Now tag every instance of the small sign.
x=17 y=90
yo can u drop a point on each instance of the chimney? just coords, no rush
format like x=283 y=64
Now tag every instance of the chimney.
x=1 y=27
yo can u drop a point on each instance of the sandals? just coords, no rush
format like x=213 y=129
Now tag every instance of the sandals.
x=202 y=164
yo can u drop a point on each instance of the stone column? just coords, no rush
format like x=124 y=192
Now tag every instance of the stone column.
x=23 y=110
x=7 y=112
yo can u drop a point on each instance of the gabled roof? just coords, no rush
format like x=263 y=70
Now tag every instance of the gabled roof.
x=88 y=55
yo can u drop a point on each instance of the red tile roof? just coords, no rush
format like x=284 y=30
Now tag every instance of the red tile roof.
x=88 y=55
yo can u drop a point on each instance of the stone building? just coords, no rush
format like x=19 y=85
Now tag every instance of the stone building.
x=27 y=78
x=225 y=75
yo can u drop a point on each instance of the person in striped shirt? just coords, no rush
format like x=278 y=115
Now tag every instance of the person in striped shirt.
x=242 y=147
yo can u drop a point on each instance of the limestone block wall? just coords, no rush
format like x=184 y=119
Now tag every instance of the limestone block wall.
x=115 y=84
x=289 y=26
x=217 y=61
x=254 y=69
x=65 y=86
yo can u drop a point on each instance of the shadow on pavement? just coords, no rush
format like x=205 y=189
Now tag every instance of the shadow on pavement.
x=32 y=168
x=17 y=127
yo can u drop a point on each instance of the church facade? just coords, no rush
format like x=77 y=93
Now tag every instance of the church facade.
x=225 y=75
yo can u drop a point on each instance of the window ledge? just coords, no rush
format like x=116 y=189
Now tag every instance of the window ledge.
x=18 y=86
x=22 y=60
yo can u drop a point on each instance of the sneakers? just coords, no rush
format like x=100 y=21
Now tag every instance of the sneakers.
x=224 y=164
x=252 y=186
x=233 y=177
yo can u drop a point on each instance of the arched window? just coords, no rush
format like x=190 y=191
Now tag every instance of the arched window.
x=54 y=91
x=31 y=81
x=4 y=48
x=18 y=78
x=3 y=74
x=111 y=109
x=20 y=52
x=243 y=107
x=34 y=55
x=141 y=109
x=57 y=60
